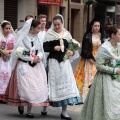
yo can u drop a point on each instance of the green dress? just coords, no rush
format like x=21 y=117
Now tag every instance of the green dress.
x=103 y=99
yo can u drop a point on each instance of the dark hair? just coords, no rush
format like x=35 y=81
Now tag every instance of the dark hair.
x=4 y=24
x=48 y=25
x=58 y=18
x=113 y=30
x=89 y=30
x=35 y=23
x=26 y=18
x=91 y=24
x=41 y=16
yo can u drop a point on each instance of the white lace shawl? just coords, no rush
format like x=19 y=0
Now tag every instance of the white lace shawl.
x=11 y=30
x=52 y=35
x=106 y=50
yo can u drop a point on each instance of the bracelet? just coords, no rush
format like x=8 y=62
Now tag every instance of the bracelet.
x=114 y=71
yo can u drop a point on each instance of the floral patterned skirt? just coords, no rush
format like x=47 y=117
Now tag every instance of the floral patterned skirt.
x=84 y=75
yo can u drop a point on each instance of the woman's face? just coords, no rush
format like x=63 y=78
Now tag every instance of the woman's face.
x=57 y=25
x=36 y=30
x=96 y=27
x=6 y=29
x=117 y=36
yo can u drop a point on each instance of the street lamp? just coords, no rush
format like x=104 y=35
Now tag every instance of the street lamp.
x=88 y=2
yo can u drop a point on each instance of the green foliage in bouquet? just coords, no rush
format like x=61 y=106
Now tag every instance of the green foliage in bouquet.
x=115 y=76
x=73 y=45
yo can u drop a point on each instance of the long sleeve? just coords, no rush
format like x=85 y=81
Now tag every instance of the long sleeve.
x=48 y=47
x=102 y=66
x=25 y=57
x=40 y=53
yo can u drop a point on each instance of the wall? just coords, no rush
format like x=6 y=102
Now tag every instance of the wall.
x=26 y=7
x=76 y=27
x=1 y=10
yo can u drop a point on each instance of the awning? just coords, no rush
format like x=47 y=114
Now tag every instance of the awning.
x=89 y=1
x=50 y=2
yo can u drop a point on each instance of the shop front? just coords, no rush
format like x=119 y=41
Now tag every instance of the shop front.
x=48 y=7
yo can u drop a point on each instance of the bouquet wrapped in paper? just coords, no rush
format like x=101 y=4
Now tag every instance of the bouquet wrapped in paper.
x=117 y=65
x=73 y=45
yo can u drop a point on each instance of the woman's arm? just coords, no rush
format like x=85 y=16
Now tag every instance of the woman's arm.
x=101 y=66
x=48 y=47
x=25 y=57
x=52 y=46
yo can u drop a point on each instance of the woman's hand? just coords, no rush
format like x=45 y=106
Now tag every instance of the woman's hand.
x=118 y=71
x=6 y=52
x=36 y=59
x=91 y=61
x=57 y=48
x=70 y=53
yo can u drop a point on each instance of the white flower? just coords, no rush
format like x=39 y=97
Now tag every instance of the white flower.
x=76 y=42
x=19 y=51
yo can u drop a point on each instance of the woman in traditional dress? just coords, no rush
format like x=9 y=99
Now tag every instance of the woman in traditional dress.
x=7 y=39
x=62 y=85
x=86 y=68
x=28 y=83
x=102 y=102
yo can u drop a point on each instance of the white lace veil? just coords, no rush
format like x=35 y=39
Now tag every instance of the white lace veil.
x=52 y=26
x=11 y=29
x=21 y=34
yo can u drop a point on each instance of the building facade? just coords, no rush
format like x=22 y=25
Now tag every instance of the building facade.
x=73 y=11
x=16 y=10
x=78 y=18
x=108 y=11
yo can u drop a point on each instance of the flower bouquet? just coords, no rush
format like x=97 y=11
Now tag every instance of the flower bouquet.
x=2 y=47
x=73 y=45
x=117 y=65
x=20 y=51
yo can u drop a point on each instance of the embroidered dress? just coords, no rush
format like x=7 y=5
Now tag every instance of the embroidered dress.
x=28 y=83
x=102 y=102
x=85 y=72
x=5 y=68
x=62 y=85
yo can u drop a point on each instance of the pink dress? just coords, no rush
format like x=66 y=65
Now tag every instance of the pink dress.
x=28 y=84
x=5 y=68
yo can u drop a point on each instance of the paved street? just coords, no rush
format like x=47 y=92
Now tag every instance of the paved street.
x=10 y=113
